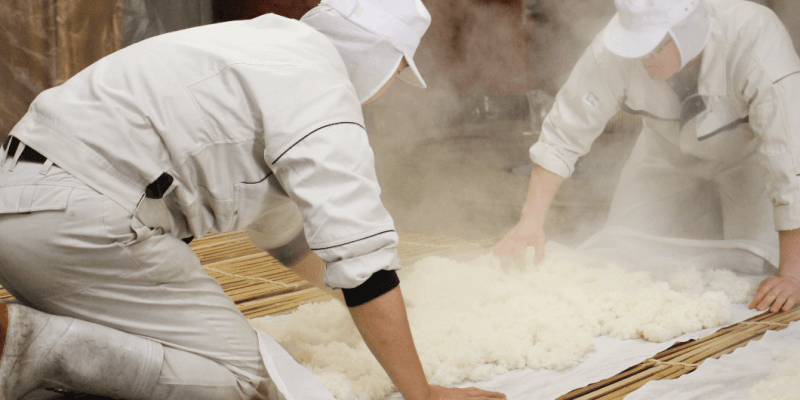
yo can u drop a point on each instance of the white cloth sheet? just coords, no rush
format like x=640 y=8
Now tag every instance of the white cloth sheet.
x=610 y=357
x=294 y=381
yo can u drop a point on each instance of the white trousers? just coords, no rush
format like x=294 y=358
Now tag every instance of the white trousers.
x=68 y=250
x=683 y=206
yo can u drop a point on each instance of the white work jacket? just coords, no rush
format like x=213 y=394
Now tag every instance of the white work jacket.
x=750 y=83
x=243 y=116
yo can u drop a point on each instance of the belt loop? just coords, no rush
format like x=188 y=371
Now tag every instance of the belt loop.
x=17 y=155
x=6 y=147
x=46 y=167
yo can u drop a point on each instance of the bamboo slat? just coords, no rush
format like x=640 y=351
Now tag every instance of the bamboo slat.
x=281 y=304
x=223 y=246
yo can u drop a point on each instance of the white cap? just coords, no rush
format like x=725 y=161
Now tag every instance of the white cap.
x=372 y=36
x=640 y=25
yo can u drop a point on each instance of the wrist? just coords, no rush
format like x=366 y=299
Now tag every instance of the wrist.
x=420 y=393
x=790 y=272
x=793 y=279
x=531 y=220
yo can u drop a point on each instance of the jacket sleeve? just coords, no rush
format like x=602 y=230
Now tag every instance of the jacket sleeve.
x=777 y=122
x=318 y=149
x=583 y=106
x=330 y=175
x=768 y=78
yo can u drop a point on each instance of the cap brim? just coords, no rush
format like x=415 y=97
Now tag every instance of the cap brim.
x=630 y=44
x=411 y=74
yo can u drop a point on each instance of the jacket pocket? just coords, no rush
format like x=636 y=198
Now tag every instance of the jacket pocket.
x=723 y=114
x=32 y=198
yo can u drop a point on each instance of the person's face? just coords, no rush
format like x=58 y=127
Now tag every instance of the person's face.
x=664 y=61
x=388 y=83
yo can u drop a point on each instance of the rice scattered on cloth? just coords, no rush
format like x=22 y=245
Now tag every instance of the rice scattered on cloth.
x=473 y=320
x=784 y=381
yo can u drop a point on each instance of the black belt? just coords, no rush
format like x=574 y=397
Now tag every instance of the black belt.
x=28 y=154
x=154 y=190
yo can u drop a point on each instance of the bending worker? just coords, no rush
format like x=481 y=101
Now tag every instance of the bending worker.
x=717 y=84
x=197 y=131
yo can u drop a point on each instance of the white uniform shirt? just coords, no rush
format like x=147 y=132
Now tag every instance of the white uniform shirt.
x=749 y=80
x=244 y=116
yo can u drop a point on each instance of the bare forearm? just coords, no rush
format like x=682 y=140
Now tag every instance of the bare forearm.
x=542 y=189
x=383 y=324
x=529 y=232
x=790 y=254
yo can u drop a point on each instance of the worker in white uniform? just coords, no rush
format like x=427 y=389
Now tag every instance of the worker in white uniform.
x=717 y=84
x=197 y=131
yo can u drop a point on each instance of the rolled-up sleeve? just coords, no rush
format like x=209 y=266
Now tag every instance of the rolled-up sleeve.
x=768 y=78
x=777 y=122
x=317 y=147
x=582 y=108
x=330 y=175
